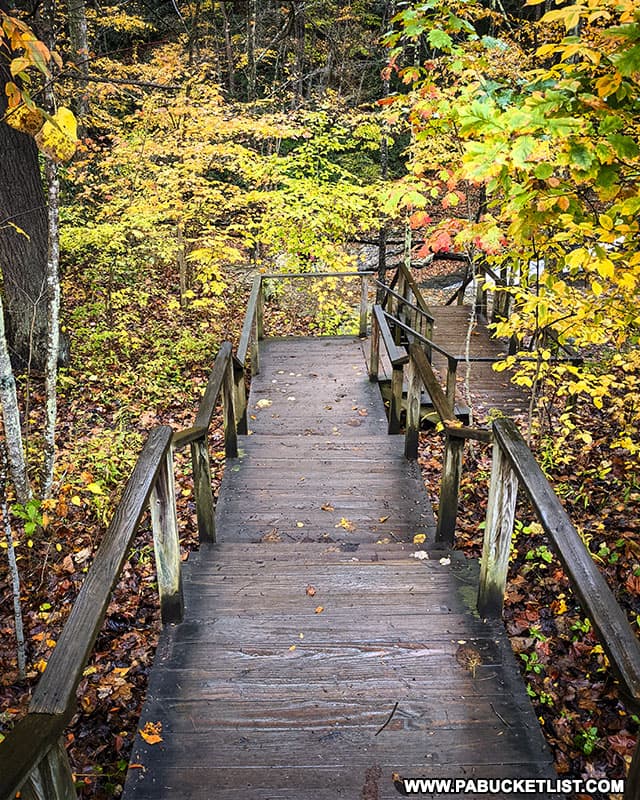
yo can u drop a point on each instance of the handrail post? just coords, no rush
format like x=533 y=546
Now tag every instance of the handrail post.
x=632 y=785
x=260 y=312
x=203 y=493
x=395 y=404
x=414 y=390
x=164 y=521
x=364 y=301
x=230 y=429
x=449 y=490
x=496 y=547
x=374 y=353
x=51 y=778
x=240 y=398
x=452 y=366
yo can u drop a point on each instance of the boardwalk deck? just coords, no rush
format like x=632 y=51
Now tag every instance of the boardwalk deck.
x=489 y=389
x=273 y=690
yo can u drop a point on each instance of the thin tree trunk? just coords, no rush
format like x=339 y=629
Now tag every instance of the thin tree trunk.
x=11 y=420
x=79 y=40
x=53 y=314
x=231 y=75
x=13 y=565
x=251 y=51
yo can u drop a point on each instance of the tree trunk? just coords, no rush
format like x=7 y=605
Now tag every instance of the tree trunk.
x=11 y=421
x=251 y=51
x=79 y=43
x=231 y=75
x=23 y=244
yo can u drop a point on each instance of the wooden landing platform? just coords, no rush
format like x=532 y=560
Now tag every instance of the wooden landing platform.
x=262 y=696
x=489 y=389
x=318 y=464
x=316 y=661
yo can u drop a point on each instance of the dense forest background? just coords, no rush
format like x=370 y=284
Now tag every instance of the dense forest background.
x=168 y=151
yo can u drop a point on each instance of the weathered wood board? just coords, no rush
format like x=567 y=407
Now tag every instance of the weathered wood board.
x=318 y=464
x=318 y=655
x=260 y=695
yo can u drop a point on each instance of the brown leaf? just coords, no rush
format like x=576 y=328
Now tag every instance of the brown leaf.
x=469 y=658
x=311 y=590
x=327 y=507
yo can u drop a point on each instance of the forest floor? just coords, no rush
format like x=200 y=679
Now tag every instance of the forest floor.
x=101 y=427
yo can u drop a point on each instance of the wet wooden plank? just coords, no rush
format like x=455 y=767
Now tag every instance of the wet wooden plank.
x=268 y=691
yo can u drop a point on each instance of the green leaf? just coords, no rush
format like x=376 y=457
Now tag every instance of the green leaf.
x=543 y=171
x=628 y=61
x=522 y=149
x=439 y=39
x=624 y=146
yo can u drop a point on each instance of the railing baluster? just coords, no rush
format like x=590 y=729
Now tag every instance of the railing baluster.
x=449 y=490
x=203 y=493
x=496 y=547
x=364 y=301
x=374 y=353
x=414 y=391
x=52 y=778
x=164 y=521
x=452 y=366
x=230 y=429
x=395 y=405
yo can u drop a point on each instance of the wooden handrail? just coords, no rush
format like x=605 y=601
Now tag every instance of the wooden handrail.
x=408 y=277
x=27 y=745
x=397 y=355
x=405 y=302
x=287 y=275
x=207 y=406
x=249 y=319
x=593 y=592
x=55 y=691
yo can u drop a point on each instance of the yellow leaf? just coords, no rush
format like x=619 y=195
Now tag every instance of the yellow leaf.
x=419 y=538
x=151 y=732
x=41 y=665
x=76 y=501
x=95 y=488
x=346 y=524
x=319 y=609
x=605 y=267
x=58 y=136
x=24 y=119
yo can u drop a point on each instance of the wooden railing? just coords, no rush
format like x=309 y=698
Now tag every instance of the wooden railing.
x=514 y=466
x=33 y=759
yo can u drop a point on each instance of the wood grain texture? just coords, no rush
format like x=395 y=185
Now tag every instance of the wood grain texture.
x=596 y=599
x=55 y=691
x=318 y=655
x=318 y=465
x=261 y=696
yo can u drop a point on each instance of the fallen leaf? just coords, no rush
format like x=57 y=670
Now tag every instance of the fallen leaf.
x=383 y=519
x=151 y=732
x=420 y=554
x=300 y=524
x=327 y=507
x=419 y=538
x=264 y=403
x=311 y=590
x=445 y=562
x=469 y=658
x=292 y=648
x=319 y=609
x=363 y=412
x=346 y=524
